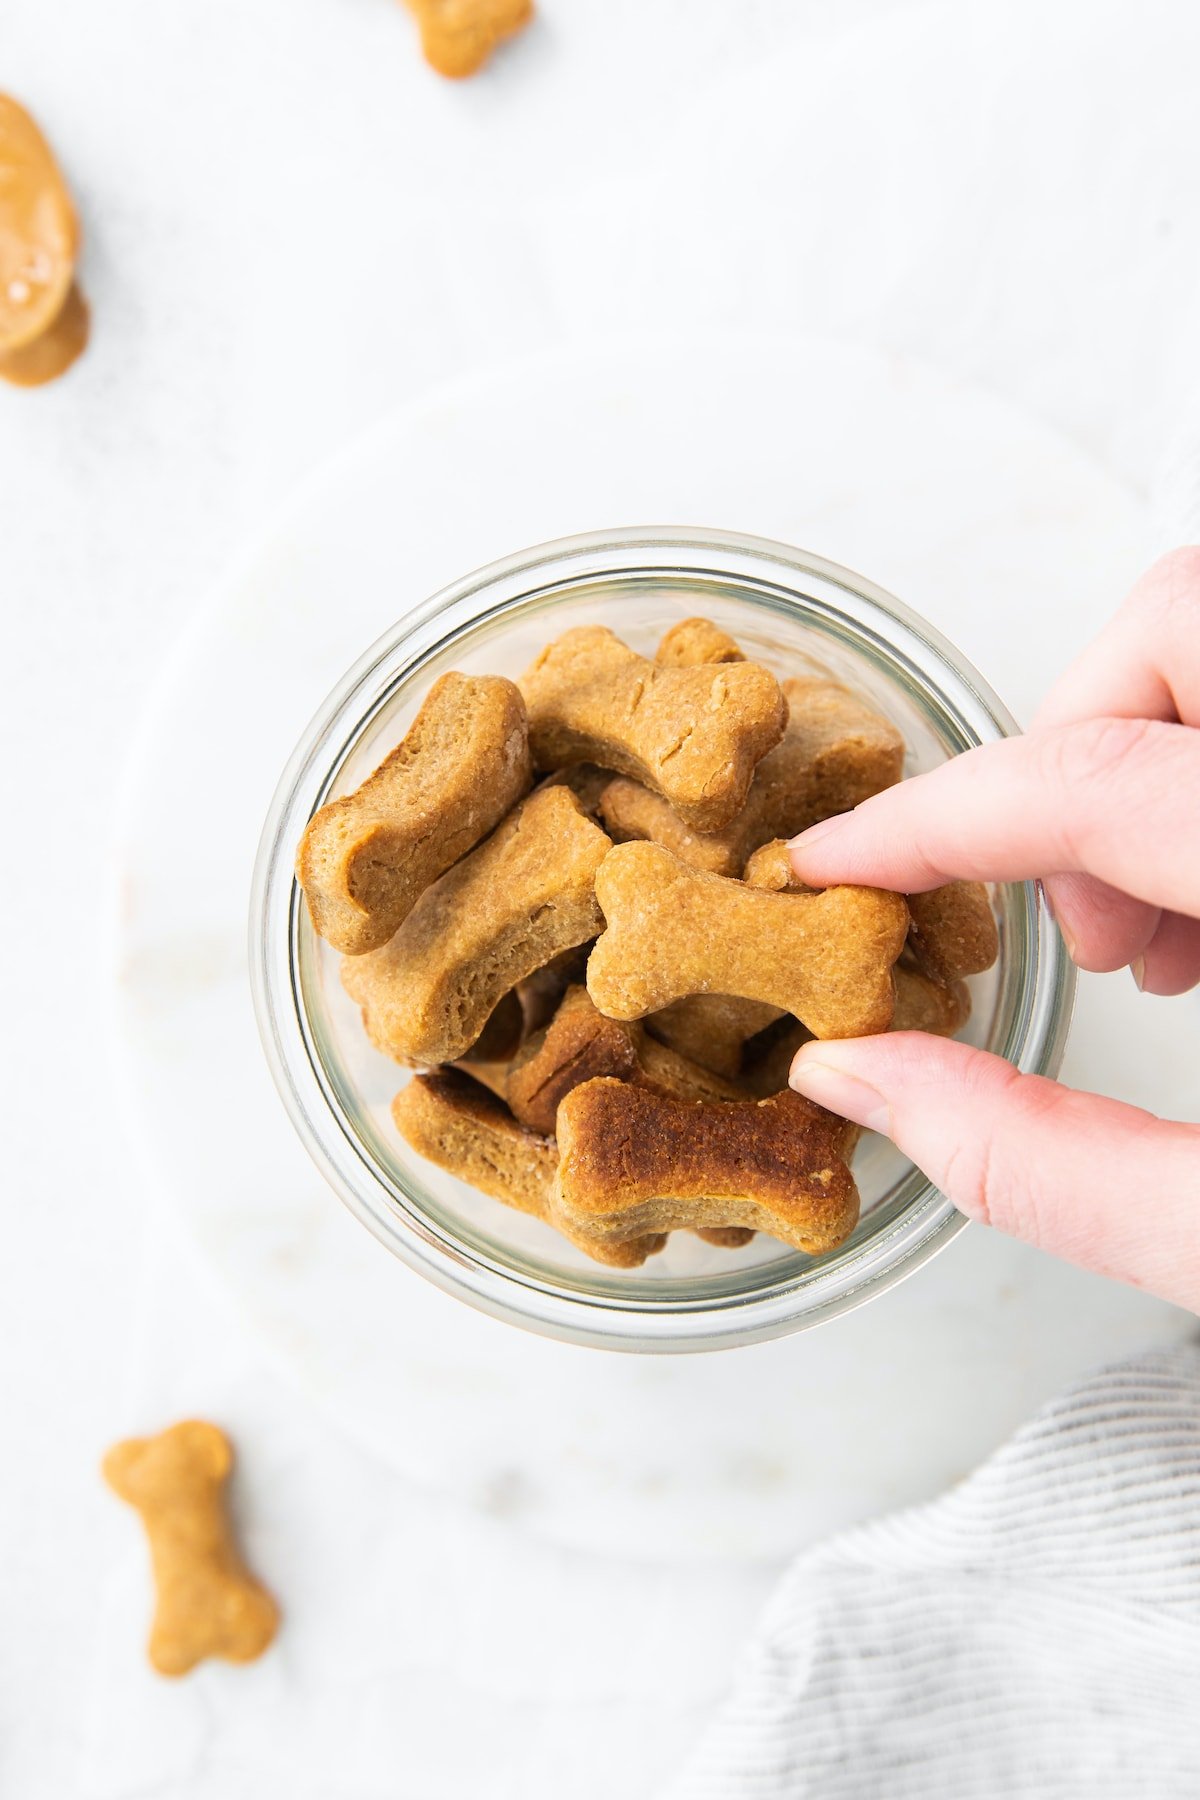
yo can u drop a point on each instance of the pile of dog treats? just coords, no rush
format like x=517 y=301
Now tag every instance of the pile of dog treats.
x=568 y=902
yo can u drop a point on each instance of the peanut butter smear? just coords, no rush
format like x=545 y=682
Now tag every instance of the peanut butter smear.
x=43 y=316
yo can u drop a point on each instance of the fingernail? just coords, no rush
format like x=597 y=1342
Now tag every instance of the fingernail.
x=815 y=833
x=1137 y=969
x=841 y=1093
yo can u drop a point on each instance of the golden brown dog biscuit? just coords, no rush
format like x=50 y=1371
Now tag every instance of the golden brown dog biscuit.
x=453 y=1122
x=726 y=1237
x=835 y=752
x=631 y=1160
x=694 y=735
x=207 y=1602
x=711 y=1029
x=526 y=894
x=43 y=316
x=695 y=641
x=671 y=930
x=458 y=36
x=922 y=1003
x=581 y=1043
x=365 y=860
x=953 y=931
x=541 y=994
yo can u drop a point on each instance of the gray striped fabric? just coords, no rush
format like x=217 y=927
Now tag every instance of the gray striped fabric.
x=1036 y=1632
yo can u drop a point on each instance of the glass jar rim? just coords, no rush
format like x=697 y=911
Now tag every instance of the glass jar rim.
x=914 y=653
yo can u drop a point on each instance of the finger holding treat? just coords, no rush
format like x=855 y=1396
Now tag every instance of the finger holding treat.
x=670 y=930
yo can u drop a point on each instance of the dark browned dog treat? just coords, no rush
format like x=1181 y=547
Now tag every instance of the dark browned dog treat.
x=453 y=1122
x=581 y=1043
x=633 y=1161
x=525 y=895
x=364 y=860
x=694 y=735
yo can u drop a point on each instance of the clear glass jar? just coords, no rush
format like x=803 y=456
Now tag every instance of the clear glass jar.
x=790 y=610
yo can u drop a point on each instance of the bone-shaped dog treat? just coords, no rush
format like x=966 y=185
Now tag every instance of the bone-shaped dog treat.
x=631 y=1160
x=541 y=994
x=458 y=36
x=521 y=898
x=711 y=1029
x=695 y=641
x=953 y=931
x=365 y=859
x=581 y=1043
x=956 y=936
x=208 y=1603
x=670 y=930
x=694 y=735
x=453 y=1122
x=835 y=753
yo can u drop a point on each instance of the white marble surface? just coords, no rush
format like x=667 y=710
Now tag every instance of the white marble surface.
x=291 y=230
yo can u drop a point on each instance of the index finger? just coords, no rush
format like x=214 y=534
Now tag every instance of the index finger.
x=1114 y=798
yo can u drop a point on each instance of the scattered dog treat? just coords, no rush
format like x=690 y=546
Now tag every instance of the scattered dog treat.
x=634 y=1161
x=835 y=753
x=953 y=932
x=522 y=897
x=671 y=930
x=458 y=36
x=365 y=860
x=711 y=1029
x=464 y=1129
x=581 y=1043
x=207 y=1602
x=611 y=1027
x=694 y=735
x=43 y=315
x=695 y=641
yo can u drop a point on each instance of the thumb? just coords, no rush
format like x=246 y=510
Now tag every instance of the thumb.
x=1102 y=1184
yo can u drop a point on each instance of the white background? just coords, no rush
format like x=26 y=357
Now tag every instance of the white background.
x=292 y=227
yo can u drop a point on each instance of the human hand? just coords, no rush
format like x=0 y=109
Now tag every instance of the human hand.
x=1101 y=799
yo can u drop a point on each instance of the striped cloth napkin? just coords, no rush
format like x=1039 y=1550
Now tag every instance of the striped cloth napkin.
x=1033 y=1634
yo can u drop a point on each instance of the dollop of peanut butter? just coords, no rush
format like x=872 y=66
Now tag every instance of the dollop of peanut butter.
x=43 y=316
x=458 y=36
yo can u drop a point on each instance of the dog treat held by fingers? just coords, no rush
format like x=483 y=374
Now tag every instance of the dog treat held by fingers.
x=458 y=36
x=453 y=1122
x=581 y=1043
x=953 y=931
x=207 y=1602
x=633 y=1161
x=694 y=735
x=365 y=860
x=695 y=641
x=711 y=1029
x=671 y=930
x=835 y=753
x=526 y=894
